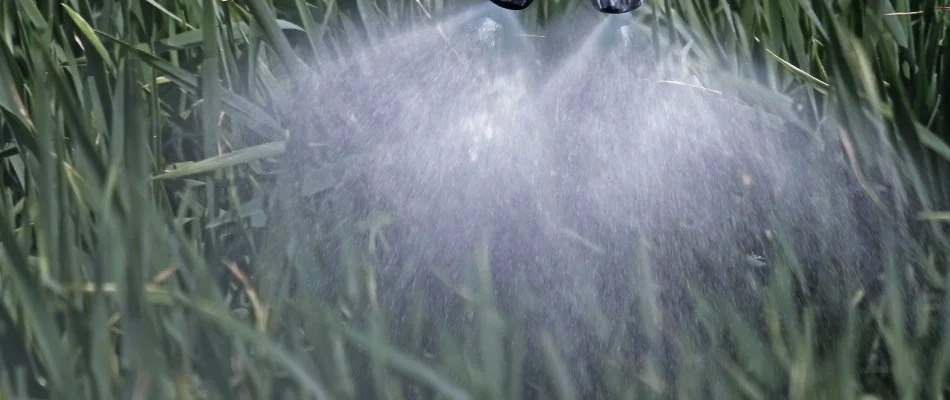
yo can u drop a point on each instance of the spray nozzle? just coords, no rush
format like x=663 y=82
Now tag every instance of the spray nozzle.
x=604 y=6
x=516 y=5
x=616 y=6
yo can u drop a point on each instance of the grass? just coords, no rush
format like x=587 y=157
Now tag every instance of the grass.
x=141 y=253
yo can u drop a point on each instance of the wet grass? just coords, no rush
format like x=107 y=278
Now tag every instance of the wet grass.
x=140 y=149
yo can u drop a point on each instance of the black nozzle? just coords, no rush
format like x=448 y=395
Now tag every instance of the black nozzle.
x=516 y=5
x=616 y=6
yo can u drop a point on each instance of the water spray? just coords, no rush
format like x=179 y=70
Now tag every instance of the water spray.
x=469 y=125
x=604 y=6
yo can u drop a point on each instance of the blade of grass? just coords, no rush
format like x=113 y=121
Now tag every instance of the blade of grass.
x=226 y=160
x=249 y=114
x=211 y=312
x=90 y=35
x=264 y=16
x=405 y=364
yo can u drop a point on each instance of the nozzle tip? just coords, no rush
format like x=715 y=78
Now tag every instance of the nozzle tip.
x=516 y=5
x=616 y=6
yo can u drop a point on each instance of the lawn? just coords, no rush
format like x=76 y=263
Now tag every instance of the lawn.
x=155 y=240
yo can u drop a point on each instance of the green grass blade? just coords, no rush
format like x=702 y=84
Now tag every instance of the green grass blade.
x=35 y=313
x=226 y=160
x=249 y=114
x=558 y=369
x=90 y=35
x=212 y=312
x=405 y=364
x=264 y=16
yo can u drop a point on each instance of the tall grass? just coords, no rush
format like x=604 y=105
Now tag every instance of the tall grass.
x=141 y=256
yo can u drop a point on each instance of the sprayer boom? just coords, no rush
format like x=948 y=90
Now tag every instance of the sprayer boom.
x=604 y=6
